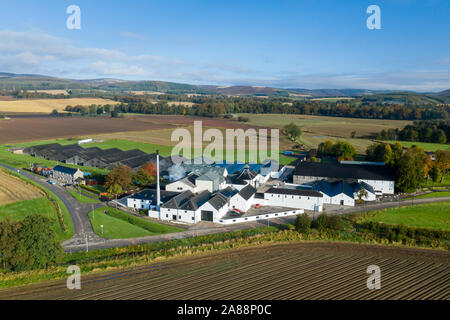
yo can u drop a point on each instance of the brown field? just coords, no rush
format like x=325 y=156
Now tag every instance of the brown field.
x=55 y=92
x=47 y=105
x=160 y=126
x=13 y=189
x=317 y=270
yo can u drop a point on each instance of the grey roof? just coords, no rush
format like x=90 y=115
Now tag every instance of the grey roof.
x=196 y=201
x=344 y=171
x=233 y=179
x=189 y=180
x=247 y=192
x=295 y=192
x=177 y=201
x=218 y=201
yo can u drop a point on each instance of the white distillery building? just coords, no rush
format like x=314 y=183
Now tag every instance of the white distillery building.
x=341 y=192
x=294 y=198
x=146 y=199
x=379 y=177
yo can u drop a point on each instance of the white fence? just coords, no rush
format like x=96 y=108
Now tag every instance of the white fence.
x=262 y=216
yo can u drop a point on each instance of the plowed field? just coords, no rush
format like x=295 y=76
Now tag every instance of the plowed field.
x=292 y=271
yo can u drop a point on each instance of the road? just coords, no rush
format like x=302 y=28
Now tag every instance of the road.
x=83 y=229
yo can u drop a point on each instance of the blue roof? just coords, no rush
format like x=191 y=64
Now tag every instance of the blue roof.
x=65 y=170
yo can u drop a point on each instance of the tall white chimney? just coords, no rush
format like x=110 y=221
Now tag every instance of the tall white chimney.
x=158 y=193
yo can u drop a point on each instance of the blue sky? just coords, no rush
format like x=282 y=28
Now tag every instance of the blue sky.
x=292 y=43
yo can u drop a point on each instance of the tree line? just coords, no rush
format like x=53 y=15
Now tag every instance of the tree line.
x=216 y=106
x=411 y=166
x=435 y=131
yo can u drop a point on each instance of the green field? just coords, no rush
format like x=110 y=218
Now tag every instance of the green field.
x=433 y=215
x=21 y=161
x=20 y=210
x=433 y=195
x=424 y=145
x=62 y=235
x=80 y=197
x=118 y=228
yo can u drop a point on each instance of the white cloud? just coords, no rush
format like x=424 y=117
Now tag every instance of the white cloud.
x=37 y=52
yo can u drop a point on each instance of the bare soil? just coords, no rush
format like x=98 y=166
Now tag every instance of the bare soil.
x=308 y=270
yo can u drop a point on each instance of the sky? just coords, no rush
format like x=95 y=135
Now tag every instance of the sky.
x=308 y=44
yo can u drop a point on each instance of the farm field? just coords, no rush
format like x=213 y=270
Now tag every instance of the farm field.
x=115 y=228
x=434 y=216
x=424 y=145
x=13 y=189
x=317 y=129
x=338 y=127
x=315 y=270
x=48 y=105
x=23 y=129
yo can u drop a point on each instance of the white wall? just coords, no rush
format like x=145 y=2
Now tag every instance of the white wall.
x=294 y=201
x=386 y=187
x=240 y=203
x=179 y=186
x=204 y=185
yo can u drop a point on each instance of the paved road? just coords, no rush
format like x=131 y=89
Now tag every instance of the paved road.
x=83 y=228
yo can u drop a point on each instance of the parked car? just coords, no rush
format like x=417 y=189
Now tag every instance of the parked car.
x=257 y=206
x=51 y=181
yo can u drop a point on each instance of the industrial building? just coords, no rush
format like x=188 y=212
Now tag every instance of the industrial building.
x=95 y=157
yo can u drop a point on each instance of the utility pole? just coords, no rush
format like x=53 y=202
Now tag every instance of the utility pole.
x=87 y=243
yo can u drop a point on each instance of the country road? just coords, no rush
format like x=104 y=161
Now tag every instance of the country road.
x=85 y=239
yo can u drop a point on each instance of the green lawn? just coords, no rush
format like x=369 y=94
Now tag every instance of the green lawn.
x=81 y=198
x=120 y=228
x=20 y=210
x=433 y=195
x=433 y=215
x=424 y=145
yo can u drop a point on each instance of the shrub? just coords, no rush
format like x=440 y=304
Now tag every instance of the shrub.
x=320 y=222
x=334 y=222
x=243 y=119
x=303 y=223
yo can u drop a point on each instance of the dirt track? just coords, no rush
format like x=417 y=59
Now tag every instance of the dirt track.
x=316 y=270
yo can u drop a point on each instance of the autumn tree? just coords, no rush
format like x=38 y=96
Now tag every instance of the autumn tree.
x=442 y=162
x=119 y=179
x=146 y=174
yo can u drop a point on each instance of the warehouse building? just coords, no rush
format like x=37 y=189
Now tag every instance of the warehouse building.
x=379 y=177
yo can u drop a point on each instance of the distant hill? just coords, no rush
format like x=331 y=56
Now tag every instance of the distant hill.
x=10 y=81
x=443 y=94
